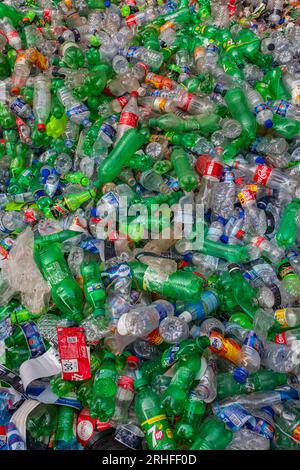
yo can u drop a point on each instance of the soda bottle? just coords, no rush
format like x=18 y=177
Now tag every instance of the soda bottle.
x=65 y=292
x=93 y=287
x=191 y=418
x=125 y=392
x=41 y=101
x=212 y=435
x=152 y=418
x=104 y=389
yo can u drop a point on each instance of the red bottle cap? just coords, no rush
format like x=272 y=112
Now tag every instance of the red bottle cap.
x=134 y=93
x=15 y=90
x=41 y=127
x=133 y=359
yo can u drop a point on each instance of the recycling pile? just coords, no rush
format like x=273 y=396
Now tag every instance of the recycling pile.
x=149 y=213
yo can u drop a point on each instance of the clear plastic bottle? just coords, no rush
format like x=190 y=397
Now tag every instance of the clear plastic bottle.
x=75 y=110
x=206 y=389
x=42 y=101
x=143 y=320
x=125 y=392
x=258 y=107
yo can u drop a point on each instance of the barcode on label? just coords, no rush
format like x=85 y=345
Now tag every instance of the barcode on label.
x=69 y=365
x=236 y=421
x=71 y=339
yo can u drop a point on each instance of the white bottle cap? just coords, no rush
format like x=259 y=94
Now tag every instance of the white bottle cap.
x=186 y=316
x=121 y=327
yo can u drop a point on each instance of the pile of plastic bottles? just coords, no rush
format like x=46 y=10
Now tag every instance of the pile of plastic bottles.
x=115 y=332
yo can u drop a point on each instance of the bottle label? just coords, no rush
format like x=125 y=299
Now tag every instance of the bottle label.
x=169 y=356
x=159 y=104
x=213 y=170
x=131 y=20
x=224 y=347
x=126 y=383
x=187 y=98
x=285 y=270
x=253 y=341
x=122 y=100
x=5 y=328
x=85 y=427
x=292 y=254
x=260 y=107
x=262 y=174
x=154 y=337
x=277 y=295
x=108 y=130
x=210 y=301
x=280 y=338
x=80 y=109
x=132 y=51
x=199 y=53
x=280 y=316
x=281 y=108
x=157 y=432
x=117 y=272
x=234 y=416
x=263 y=428
x=257 y=241
x=33 y=338
x=74 y=355
x=246 y=196
x=296 y=433
x=94 y=287
x=128 y=119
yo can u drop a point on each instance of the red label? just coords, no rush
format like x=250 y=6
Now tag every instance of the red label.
x=126 y=383
x=129 y=119
x=122 y=100
x=246 y=196
x=213 y=170
x=75 y=362
x=85 y=427
x=186 y=101
x=262 y=174
x=257 y=241
x=130 y=20
x=154 y=337
x=280 y=338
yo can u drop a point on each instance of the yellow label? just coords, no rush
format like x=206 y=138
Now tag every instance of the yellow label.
x=154 y=420
x=280 y=317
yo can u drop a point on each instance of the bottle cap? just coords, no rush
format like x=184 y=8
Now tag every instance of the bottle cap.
x=133 y=358
x=15 y=90
x=224 y=238
x=268 y=123
x=186 y=316
x=41 y=127
x=240 y=375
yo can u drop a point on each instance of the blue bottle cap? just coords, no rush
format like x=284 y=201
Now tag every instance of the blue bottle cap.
x=188 y=256
x=224 y=239
x=268 y=123
x=240 y=375
x=261 y=160
x=107 y=3
x=94 y=212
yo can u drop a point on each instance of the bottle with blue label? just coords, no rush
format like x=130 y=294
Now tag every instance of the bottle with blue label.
x=249 y=357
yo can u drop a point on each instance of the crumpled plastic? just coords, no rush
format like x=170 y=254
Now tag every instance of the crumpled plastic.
x=22 y=274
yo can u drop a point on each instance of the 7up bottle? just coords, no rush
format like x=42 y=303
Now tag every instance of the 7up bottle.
x=152 y=418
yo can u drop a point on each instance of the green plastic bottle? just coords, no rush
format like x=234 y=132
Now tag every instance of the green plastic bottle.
x=190 y=419
x=152 y=417
x=178 y=285
x=212 y=435
x=239 y=110
x=185 y=173
x=262 y=380
x=287 y=231
x=244 y=294
x=102 y=404
x=176 y=395
x=125 y=148
x=66 y=424
x=65 y=291
x=42 y=421
x=93 y=287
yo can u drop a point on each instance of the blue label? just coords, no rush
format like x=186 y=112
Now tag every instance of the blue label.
x=263 y=428
x=117 y=272
x=33 y=338
x=253 y=341
x=210 y=302
x=5 y=328
x=169 y=356
x=234 y=416
x=161 y=310
x=76 y=110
